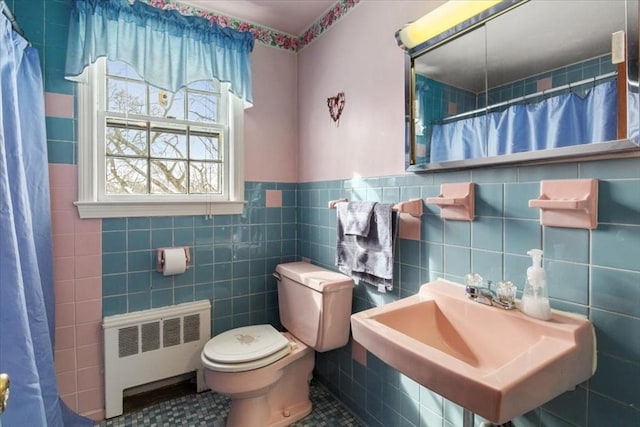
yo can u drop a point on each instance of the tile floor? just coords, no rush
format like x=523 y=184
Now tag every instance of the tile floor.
x=210 y=409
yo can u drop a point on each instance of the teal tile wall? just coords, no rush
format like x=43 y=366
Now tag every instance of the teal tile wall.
x=45 y=24
x=559 y=77
x=232 y=260
x=594 y=273
x=439 y=96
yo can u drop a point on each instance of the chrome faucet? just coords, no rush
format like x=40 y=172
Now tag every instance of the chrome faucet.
x=504 y=297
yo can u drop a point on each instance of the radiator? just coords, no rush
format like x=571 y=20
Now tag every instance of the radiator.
x=152 y=345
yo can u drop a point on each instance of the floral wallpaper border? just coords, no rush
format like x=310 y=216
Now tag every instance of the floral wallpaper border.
x=262 y=34
x=332 y=16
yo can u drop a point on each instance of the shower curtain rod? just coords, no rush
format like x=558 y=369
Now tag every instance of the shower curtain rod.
x=14 y=24
x=531 y=95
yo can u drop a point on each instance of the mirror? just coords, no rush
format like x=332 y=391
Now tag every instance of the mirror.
x=527 y=81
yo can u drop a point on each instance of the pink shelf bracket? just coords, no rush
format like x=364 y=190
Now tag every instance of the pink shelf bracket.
x=569 y=203
x=413 y=207
x=456 y=201
x=410 y=212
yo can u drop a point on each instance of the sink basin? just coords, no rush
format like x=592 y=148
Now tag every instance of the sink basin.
x=496 y=363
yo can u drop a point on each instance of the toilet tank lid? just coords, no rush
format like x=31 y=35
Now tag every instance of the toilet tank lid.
x=315 y=277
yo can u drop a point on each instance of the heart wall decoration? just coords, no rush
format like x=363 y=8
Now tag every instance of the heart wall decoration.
x=336 y=105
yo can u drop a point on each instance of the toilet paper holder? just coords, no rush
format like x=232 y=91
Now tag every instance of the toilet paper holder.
x=160 y=258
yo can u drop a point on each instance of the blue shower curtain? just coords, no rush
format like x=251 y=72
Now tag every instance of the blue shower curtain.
x=26 y=260
x=564 y=120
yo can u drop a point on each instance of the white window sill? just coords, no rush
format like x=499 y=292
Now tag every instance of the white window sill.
x=137 y=209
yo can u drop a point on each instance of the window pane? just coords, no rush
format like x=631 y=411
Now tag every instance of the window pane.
x=168 y=176
x=168 y=145
x=126 y=141
x=205 y=147
x=166 y=104
x=124 y=96
x=204 y=177
x=205 y=86
x=126 y=175
x=121 y=69
x=203 y=107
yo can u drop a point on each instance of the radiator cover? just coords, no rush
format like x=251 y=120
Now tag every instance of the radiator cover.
x=152 y=345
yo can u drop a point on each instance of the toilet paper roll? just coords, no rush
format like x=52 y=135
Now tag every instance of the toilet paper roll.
x=175 y=261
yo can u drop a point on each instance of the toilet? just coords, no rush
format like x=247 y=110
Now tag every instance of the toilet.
x=266 y=373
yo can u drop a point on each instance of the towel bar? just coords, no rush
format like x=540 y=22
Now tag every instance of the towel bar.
x=413 y=206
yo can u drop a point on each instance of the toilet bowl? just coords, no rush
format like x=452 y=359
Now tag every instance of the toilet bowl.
x=275 y=394
x=266 y=373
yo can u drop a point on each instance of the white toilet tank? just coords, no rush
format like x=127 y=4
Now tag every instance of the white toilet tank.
x=315 y=304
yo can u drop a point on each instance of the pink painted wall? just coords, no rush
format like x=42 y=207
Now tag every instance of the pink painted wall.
x=271 y=128
x=358 y=56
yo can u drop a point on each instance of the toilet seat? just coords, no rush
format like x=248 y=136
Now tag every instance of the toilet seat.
x=245 y=348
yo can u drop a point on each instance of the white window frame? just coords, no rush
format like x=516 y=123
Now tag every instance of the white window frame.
x=94 y=203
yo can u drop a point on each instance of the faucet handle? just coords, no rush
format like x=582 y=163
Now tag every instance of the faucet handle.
x=506 y=292
x=473 y=279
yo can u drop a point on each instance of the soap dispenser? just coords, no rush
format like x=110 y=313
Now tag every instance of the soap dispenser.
x=535 y=299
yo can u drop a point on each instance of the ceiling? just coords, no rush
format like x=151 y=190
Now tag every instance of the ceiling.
x=287 y=16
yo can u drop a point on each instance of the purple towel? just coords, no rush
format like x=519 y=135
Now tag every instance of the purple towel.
x=358 y=218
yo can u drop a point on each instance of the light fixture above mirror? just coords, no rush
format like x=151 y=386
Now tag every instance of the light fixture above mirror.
x=451 y=15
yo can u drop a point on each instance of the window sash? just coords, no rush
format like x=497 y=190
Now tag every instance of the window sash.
x=104 y=117
x=188 y=94
x=170 y=127
x=94 y=203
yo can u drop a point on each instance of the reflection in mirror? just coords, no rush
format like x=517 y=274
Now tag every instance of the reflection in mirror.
x=450 y=82
x=543 y=80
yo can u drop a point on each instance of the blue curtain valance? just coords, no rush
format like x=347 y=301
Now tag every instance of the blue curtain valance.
x=168 y=49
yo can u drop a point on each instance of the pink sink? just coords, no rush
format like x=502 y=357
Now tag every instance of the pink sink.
x=497 y=363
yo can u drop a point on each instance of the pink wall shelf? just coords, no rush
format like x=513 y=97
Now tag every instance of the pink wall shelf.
x=456 y=201
x=569 y=203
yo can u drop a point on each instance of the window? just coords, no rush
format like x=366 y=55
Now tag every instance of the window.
x=144 y=151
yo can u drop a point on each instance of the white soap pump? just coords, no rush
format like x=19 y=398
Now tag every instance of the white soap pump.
x=535 y=299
